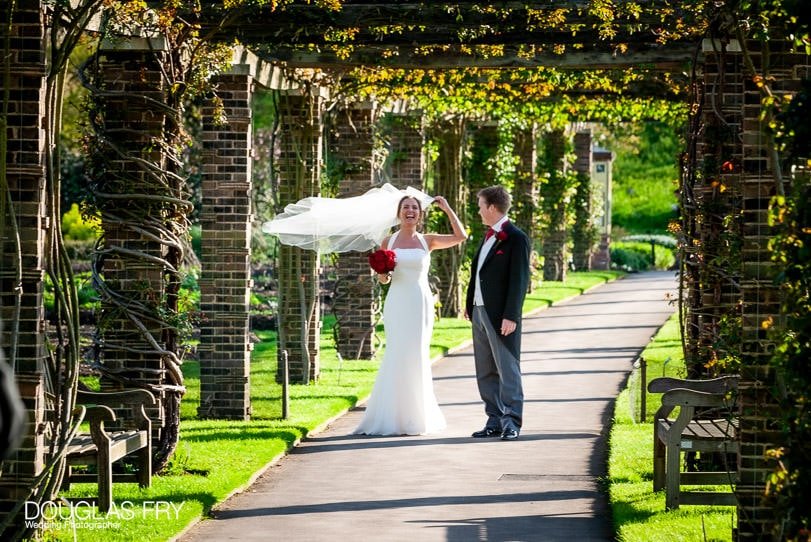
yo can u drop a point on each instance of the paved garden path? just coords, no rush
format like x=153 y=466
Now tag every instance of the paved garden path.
x=450 y=487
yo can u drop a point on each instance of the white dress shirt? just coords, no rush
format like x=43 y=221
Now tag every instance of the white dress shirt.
x=478 y=300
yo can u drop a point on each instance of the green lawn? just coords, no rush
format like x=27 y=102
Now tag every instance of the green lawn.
x=645 y=174
x=638 y=512
x=216 y=458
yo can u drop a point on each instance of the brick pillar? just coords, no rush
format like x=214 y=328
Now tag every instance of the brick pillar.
x=759 y=408
x=583 y=230
x=351 y=146
x=22 y=267
x=297 y=163
x=225 y=278
x=405 y=162
x=554 y=192
x=130 y=70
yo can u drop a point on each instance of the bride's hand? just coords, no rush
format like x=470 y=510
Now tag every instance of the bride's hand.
x=442 y=203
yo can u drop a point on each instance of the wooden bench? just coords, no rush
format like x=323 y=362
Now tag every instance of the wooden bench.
x=711 y=429
x=102 y=448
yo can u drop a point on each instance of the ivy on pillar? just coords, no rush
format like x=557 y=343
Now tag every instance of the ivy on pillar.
x=448 y=136
x=525 y=191
x=137 y=186
x=583 y=229
x=711 y=200
x=717 y=197
x=479 y=166
x=351 y=149
x=225 y=279
x=297 y=166
x=555 y=194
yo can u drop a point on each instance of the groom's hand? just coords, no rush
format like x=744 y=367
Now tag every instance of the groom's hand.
x=507 y=326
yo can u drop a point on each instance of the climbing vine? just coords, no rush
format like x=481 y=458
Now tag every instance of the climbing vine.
x=556 y=188
x=449 y=141
x=790 y=483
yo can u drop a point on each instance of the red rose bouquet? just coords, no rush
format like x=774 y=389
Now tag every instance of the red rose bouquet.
x=382 y=261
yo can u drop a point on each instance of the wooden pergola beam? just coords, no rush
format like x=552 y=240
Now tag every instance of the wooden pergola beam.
x=669 y=58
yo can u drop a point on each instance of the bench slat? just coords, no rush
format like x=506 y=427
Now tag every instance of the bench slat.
x=703 y=429
x=125 y=443
x=710 y=429
x=81 y=445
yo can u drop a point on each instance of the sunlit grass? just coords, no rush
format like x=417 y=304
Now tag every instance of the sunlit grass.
x=639 y=513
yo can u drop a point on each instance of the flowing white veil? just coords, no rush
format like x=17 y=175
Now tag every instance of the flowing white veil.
x=330 y=225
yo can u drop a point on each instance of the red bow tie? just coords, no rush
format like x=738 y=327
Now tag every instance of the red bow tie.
x=489 y=233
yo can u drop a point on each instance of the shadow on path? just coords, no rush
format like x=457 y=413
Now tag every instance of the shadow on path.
x=450 y=487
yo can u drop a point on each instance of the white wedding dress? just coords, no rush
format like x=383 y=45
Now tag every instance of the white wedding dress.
x=403 y=400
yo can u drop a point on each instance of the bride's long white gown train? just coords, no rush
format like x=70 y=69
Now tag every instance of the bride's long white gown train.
x=402 y=400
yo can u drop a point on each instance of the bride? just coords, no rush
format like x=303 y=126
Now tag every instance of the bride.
x=402 y=400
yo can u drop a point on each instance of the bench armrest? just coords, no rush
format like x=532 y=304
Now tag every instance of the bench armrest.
x=96 y=415
x=688 y=400
x=720 y=385
x=685 y=397
x=663 y=412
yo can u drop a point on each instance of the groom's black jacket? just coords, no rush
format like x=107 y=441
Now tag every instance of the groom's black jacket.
x=504 y=280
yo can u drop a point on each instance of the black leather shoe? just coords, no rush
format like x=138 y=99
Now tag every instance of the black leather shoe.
x=487 y=432
x=509 y=434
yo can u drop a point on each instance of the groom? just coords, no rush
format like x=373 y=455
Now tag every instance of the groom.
x=498 y=284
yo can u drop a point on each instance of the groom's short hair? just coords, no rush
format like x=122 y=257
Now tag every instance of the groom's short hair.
x=498 y=196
